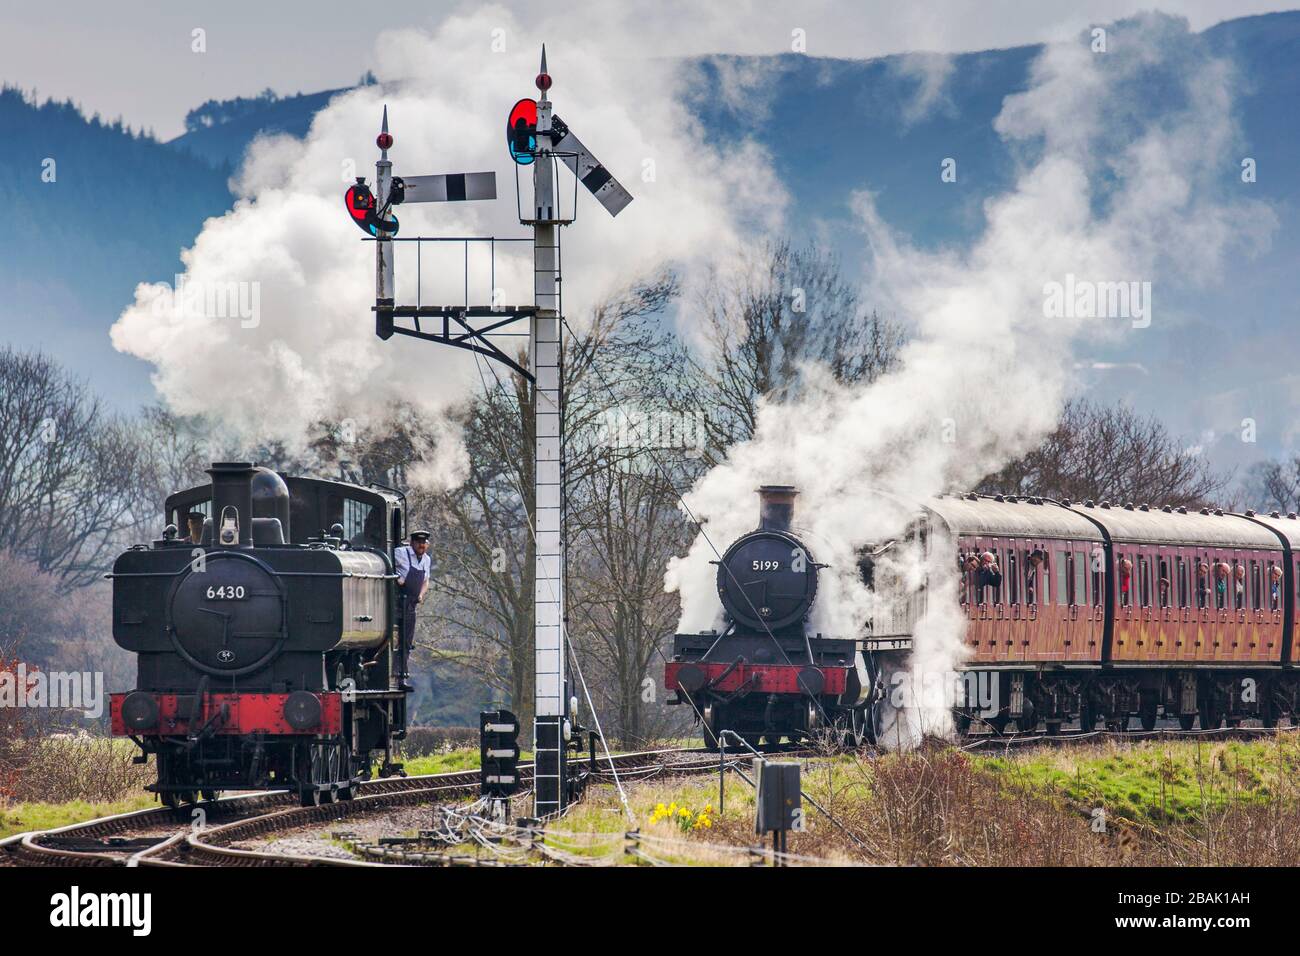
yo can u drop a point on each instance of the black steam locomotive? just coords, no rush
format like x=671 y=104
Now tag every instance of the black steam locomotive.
x=765 y=675
x=266 y=637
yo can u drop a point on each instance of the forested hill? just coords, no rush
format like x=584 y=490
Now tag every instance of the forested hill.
x=220 y=130
x=94 y=208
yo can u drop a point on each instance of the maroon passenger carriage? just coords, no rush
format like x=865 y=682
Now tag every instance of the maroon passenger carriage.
x=1103 y=613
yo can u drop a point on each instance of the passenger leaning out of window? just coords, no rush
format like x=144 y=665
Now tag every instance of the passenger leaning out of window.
x=990 y=575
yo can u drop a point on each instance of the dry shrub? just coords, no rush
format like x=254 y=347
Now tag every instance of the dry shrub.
x=93 y=769
x=424 y=741
x=933 y=807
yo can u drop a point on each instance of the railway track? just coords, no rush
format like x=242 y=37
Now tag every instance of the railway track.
x=166 y=837
x=1076 y=737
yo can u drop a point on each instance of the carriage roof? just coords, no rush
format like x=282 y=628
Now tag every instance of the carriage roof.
x=1016 y=517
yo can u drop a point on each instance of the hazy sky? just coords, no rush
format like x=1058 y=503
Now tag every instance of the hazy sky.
x=134 y=59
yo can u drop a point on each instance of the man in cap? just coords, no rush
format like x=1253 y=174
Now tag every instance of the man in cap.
x=413 y=566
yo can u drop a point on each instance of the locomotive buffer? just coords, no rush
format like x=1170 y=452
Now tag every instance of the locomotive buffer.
x=537 y=138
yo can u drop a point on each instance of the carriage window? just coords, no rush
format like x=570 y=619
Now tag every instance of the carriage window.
x=1012 y=577
x=1163 y=584
x=1080 y=595
x=1202 y=582
x=1124 y=569
x=1274 y=585
x=1144 y=580
x=1045 y=578
x=968 y=593
x=1221 y=572
x=1062 y=578
x=1180 y=567
x=1098 y=558
x=1256 y=597
x=1238 y=584
x=1031 y=567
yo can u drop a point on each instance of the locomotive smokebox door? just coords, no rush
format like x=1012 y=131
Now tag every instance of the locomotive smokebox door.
x=779 y=801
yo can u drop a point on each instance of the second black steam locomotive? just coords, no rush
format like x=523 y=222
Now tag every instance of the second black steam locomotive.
x=266 y=638
x=765 y=675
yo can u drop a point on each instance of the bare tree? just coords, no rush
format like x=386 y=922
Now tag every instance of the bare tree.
x=66 y=470
x=483 y=549
x=1276 y=485
x=1112 y=453
x=784 y=308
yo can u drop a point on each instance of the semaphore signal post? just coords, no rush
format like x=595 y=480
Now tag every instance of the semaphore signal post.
x=538 y=138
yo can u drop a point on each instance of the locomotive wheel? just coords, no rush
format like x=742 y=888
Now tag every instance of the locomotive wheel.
x=1053 y=728
x=961 y=722
x=312 y=774
x=1148 y=718
x=211 y=795
x=710 y=724
x=998 y=723
x=170 y=799
x=1186 y=721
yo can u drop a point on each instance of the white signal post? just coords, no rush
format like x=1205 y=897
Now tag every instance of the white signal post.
x=383 y=192
x=549 y=698
x=473 y=326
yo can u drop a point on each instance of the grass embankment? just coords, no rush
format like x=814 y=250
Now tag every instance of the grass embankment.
x=21 y=817
x=1159 y=783
x=1173 y=803
x=448 y=761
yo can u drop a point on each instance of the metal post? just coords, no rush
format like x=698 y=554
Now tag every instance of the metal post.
x=549 y=791
x=384 y=250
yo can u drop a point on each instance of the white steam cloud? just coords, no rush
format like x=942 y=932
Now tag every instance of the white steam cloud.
x=298 y=346
x=1112 y=187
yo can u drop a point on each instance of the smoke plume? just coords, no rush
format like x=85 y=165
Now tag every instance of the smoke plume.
x=270 y=330
x=1111 y=187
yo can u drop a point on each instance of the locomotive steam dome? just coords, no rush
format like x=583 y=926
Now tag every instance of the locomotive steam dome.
x=768 y=579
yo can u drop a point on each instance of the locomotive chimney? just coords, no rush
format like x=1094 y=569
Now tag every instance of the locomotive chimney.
x=776 y=507
x=232 y=504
